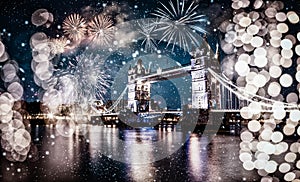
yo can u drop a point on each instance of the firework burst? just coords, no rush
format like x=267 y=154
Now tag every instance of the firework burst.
x=82 y=80
x=91 y=78
x=179 y=23
x=74 y=27
x=101 y=30
x=147 y=31
x=60 y=44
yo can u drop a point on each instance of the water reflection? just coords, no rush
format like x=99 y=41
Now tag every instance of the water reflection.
x=94 y=141
x=139 y=145
x=197 y=158
x=139 y=149
x=79 y=158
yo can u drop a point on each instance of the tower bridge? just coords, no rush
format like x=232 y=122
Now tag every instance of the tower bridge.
x=205 y=93
x=211 y=91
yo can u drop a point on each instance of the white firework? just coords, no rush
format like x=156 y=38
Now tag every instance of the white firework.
x=179 y=24
x=148 y=35
x=92 y=80
x=84 y=81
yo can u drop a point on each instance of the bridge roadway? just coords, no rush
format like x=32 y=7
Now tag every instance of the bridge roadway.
x=180 y=112
x=163 y=112
x=117 y=113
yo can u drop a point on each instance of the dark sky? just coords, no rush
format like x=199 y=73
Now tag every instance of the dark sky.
x=16 y=27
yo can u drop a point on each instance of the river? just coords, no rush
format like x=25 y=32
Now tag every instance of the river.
x=98 y=153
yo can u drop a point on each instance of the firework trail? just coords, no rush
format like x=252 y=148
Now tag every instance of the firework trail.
x=91 y=78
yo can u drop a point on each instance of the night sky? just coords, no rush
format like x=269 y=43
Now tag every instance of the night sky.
x=16 y=27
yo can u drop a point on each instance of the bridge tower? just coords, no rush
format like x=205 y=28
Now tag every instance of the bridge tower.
x=138 y=91
x=206 y=92
x=199 y=81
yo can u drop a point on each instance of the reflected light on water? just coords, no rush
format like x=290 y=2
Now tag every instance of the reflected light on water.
x=70 y=149
x=103 y=138
x=80 y=158
x=195 y=154
x=94 y=141
x=139 y=150
x=139 y=147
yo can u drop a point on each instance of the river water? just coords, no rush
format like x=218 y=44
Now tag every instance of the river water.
x=89 y=155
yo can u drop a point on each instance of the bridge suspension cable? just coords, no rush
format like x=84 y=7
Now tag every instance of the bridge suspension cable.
x=114 y=105
x=238 y=92
x=117 y=101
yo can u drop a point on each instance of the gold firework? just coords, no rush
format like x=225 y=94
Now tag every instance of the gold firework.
x=74 y=27
x=101 y=30
x=60 y=44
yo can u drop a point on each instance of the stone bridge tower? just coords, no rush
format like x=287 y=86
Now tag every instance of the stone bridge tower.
x=206 y=91
x=138 y=91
